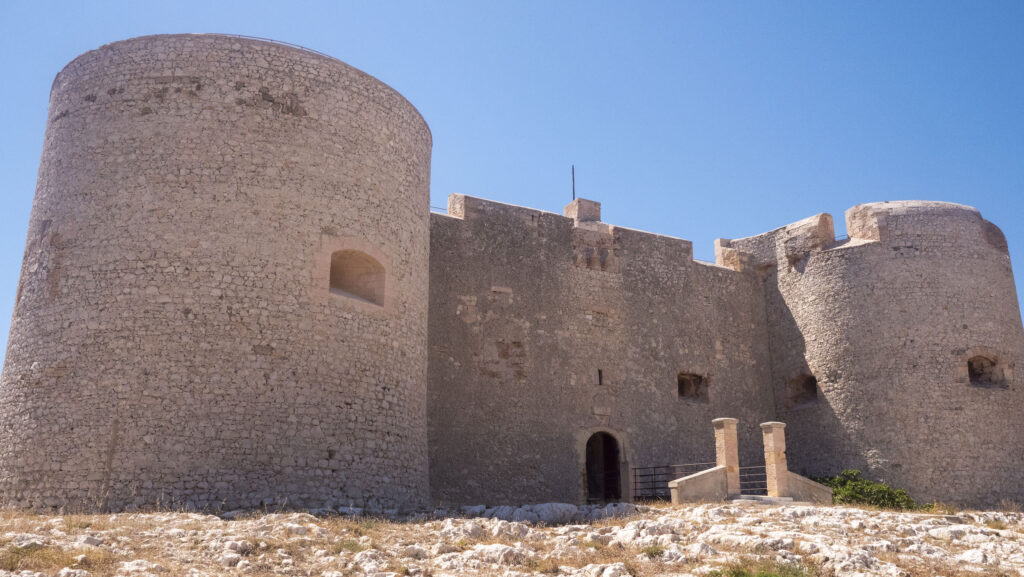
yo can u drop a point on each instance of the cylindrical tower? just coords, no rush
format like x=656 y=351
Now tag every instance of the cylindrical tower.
x=903 y=352
x=223 y=300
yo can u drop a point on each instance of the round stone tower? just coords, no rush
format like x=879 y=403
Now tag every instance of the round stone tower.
x=223 y=300
x=902 y=351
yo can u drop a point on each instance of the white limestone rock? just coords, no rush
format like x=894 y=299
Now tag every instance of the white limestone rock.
x=140 y=566
x=975 y=556
x=415 y=552
x=229 y=559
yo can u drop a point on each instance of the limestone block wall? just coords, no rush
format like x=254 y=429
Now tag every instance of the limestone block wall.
x=175 y=338
x=545 y=330
x=887 y=321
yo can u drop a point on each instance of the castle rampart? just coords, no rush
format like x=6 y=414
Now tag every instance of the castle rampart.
x=545 y=330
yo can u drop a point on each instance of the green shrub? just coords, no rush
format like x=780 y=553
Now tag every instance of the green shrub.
x=851 y=488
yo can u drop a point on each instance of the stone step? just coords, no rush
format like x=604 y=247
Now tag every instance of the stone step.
x=762 y=500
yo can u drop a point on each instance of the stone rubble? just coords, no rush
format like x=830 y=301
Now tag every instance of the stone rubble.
x=554 y=538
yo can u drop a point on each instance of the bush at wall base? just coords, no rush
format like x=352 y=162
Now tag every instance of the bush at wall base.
x=851 y=488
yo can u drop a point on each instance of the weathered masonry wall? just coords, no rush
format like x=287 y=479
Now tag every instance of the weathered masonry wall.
x=888 y=321
x=545 y=330
x=176 y=339
x=225 y=292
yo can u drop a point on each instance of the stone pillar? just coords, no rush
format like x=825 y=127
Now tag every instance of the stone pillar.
x=583 y=210
x=727 y=452
x=775 y=458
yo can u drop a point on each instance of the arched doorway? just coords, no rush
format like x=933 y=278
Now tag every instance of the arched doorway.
x=603 y=469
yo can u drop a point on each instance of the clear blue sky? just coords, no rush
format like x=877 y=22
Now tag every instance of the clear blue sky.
x=692 y=119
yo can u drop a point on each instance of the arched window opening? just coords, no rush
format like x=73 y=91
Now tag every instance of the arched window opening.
x=357 y=275
x=985 y=372
x=603 y=469
x=692 y=387
x=802 y=391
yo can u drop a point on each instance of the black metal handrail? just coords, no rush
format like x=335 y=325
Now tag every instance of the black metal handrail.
x=652 y=482
x=754 y=480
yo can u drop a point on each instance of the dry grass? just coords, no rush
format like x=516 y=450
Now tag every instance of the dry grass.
x=51 y=559
x=639 y=561
x=1008 y=506
x=617 y=521
x=546 y=565
x=347 y=546
x=927 y=568
x=939 y=508
x=753 y=567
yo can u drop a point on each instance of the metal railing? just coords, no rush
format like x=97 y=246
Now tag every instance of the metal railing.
x=651 y=483
x=753 y=480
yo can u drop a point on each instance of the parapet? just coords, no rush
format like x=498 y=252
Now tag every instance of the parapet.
x=790 y=244
x=920 y=221
x=582 y=217
x=909 y=222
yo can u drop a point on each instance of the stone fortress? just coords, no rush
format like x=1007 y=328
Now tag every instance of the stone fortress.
x=234 y=294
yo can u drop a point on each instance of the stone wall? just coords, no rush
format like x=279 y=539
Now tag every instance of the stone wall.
x=887 y=321
x=224 y=302
x=175 y=339
x=545 y=330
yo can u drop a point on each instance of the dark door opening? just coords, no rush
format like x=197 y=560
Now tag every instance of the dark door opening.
x=603 y=469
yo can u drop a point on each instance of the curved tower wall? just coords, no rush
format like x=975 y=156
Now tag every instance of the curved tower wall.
x=887 y=321
x=175 y=339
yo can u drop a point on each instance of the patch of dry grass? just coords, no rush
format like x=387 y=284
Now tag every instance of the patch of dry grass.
x=372 y=527
x=930 y=568
x=939 y=508
x=996 y=524
x=51 y=559
x=544 y=565
x=346 y=546
x=755 y=567
x=1008 y=506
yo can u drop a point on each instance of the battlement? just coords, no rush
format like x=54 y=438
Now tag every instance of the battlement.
x=909 y=223
x=922 y=221
x=582 y=216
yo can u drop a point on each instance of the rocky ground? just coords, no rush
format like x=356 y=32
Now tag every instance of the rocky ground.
x=552 y=539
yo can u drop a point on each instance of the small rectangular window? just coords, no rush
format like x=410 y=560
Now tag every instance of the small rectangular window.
x=600 y=377
x=985 y=372
x=802 y=391
x=692 y=387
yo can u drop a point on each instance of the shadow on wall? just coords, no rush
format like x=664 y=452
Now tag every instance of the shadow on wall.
x=803 y=395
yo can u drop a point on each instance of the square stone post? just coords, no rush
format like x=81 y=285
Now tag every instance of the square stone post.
x=775 y=458
x=583 y=210
x=727 y=452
